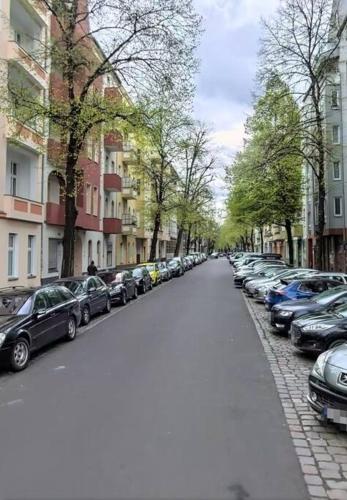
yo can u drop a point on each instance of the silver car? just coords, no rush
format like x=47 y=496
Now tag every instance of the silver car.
x=328 y=385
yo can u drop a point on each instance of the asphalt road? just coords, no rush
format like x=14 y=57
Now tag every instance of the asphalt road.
x=171 y=398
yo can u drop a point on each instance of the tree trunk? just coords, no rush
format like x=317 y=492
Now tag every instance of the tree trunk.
x=71 y=212
x=188 y=239
x=252 y=240
x=179 y=241
x=261 y=229
x=319 y=254
x=153 y=252
x=288 y=226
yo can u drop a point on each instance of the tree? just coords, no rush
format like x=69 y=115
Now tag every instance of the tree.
x=299 y=44
x=195 y=177
x=138 y=43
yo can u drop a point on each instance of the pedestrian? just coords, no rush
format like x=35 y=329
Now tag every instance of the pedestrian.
x=92 y=269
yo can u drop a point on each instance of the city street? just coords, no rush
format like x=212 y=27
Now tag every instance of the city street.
x=171 y=397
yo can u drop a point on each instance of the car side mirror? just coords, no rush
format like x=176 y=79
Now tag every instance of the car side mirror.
x=91 y=290
x=39 y=312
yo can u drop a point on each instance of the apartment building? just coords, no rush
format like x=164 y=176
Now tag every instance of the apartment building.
x=23 y=30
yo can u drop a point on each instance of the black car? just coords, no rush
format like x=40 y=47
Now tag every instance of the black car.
x=283 y=314
x=92 y=292
x=123 y=287
x=318 y=332
x=31 y=318
x=165 y=272
x=142 y=278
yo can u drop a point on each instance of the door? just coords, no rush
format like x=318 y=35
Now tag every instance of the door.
x=43 y=323
x=94 y=295
x=102 y=293
x=58 y=310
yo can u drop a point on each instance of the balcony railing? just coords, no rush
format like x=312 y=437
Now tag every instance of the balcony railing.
x=129 y=183
x=129 y=220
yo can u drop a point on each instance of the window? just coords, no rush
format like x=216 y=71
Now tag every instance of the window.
x=31 y=255
x=336 y=171
x=89 y=199
x=106 y=207
x=95 y=200
x=334 y=98
x=12 y=255
x=40 y=302
x=53 y=255
x=53 y=296
x=99 y=282
x=92 y=283
x=338 y=206
x=316 y=213
x=106 y=164
x=336 y=134
x=112 y=210
x=113 y=167
x=90 y=256
x=13 y=178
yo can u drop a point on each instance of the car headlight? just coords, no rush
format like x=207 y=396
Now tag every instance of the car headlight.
x=2 y=338
x=286 y=314
x=319 y=366
x=318 y=327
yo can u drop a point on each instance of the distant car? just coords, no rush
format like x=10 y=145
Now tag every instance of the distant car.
x=282 y=315
x=298 y=289
x=92 y=293
x=214 y=255
x=188 y=265
x=32 y=318
x=328 y=385
x=320 y=331
x=153 y=269
x=253 y=286
x=165 y=272
x=176 y=268
x=180 y=262
x=143 y=279
x=123 y=287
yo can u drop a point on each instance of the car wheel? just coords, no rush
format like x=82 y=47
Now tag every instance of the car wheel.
x=85 y=315
x=20 y=355
x=124 y=299
x=151 y=286
x=71 y=329
x=108 y=306
x=336 y=343
x=135 y=292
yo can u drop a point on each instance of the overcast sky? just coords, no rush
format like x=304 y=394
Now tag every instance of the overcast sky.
x=225 y=82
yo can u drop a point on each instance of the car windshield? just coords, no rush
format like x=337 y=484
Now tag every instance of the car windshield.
x=15 y=304
x=172 y=263
x=326 y=297
x=76 y=287
x=137 y=273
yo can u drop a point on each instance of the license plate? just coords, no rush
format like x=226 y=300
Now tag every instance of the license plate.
x=335 y=415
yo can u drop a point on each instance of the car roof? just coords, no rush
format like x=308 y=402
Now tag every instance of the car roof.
x=73 y=278
x=18 y=290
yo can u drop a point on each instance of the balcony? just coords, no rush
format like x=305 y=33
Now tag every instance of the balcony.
x=55 y=215
x=129 y=225
x=22 y=209
x=113 y=182
x=129 y=188
x=113 y=141
x=112 y=225
x=31 y=62
x=129 y=154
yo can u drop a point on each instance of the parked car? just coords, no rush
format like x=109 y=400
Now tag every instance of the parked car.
x=92 y=293
x=187 y=264
x=254 y=269
x=181 y=263
x=320 y=331
x=214 y=255
x=266 y=272
x=283 y=314
x=328 y=385
x=123 y=287
x=31 y=318
x=342 y=277
x=165 y=272
x=176 y=268
x=262 y=289
x=143 y=279
x=153 y=269
x=298 y=289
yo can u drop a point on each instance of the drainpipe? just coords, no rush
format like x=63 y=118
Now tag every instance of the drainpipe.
x=343 y=181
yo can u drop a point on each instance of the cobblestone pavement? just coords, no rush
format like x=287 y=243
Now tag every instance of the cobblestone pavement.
x=322 y=449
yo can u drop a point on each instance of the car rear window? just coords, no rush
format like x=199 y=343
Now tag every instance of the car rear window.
x=15 y=304
x=137 y=273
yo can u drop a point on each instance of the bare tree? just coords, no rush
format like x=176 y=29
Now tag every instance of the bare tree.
x=300 y=44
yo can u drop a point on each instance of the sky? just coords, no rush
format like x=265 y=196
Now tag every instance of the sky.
x=226 y=80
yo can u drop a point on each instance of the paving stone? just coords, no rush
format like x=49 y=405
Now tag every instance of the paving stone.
x=330 y=474
x=337 y=485
x=337 y=494
x=317 y=491
x=313 y=479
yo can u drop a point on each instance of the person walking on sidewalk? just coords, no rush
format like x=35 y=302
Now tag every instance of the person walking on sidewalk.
x=92 y=269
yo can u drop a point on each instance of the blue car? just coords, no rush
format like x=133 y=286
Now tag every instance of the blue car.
x=298 y=289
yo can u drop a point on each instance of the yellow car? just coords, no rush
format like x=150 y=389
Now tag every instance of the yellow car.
x=153 y=269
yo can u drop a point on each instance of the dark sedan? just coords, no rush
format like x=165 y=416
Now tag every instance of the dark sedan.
x=32 y=318
x=92 y=292
x=318 y=332
x=165 y=272
x=143 y=279
x=176 y=268
x=123 y=287
x=283 y=314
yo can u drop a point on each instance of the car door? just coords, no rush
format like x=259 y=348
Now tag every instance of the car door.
x=102 y=290
x=306 y=290
x=43 y=324
x=94 y=295
x=128 y=283
x=59 y=310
